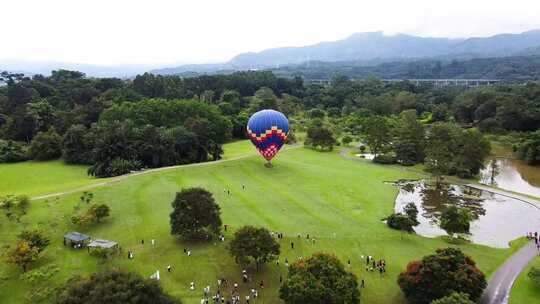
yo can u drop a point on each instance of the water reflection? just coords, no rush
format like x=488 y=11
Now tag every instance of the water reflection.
x=368 y=156
x=512 y=175
x=497 y=219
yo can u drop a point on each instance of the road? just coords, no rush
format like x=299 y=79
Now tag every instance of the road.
x=500 y=285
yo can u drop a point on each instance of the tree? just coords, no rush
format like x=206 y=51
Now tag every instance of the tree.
x=11 y=152
x=454 y=298
x=412 y=213
x=263 y=99
x=472 y=150
x=409 y=139
x=100 y=211
x=320 y=136
x=438 y=275
x=346 y=140
x=253 y=243
x=376 y=134
x=14 y=206
x=440 y=149
x=400 y=221
x=113 y=287
x=455 y=220
x=22 y=254
x=77 y=145
x=35 y=239
x=46 y=145
x=195 y=214
x=320 y=278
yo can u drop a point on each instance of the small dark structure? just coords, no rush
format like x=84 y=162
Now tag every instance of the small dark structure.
x=76 y=239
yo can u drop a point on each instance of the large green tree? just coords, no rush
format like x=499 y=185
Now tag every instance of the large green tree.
x=455 y=220
x=195 y=214
x=377 y=134
x=252 y=243
x=320 y=137
x=409 y=139
x=320 y=279
x=46 y=145
x=438 y=275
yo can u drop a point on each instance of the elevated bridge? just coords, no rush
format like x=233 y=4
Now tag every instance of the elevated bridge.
x=451 y=82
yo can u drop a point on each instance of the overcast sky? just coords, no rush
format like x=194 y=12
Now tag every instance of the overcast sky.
x=115 y=32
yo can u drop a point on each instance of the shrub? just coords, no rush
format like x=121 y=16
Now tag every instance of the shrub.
x=11 y=152
x=46 y=145
x=386 y=159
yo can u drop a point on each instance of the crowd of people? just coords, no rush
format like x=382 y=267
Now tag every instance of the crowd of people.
x=534 y=236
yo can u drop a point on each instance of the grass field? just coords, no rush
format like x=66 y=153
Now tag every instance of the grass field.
x=340 y=202
x=524 y=290
x=34 y=177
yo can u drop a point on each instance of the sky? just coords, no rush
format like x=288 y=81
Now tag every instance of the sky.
x=161 y=32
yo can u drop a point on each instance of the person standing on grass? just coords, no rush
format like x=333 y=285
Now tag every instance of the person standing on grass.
x=153 y=242
x=292 y=245
x=169 y=268
x=362 y=284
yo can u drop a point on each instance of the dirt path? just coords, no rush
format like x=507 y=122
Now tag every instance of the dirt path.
x=126 y=176
x=500 y=285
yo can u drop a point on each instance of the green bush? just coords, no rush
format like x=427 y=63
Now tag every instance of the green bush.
x=11 y=152
x=386 y=159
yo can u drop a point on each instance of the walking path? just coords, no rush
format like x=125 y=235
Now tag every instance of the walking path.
x=126 y=176
x=523 y=198
x=500 y=285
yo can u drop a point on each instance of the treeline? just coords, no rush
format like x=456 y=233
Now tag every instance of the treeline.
x=117 y=126
x=515 y=69
x=151 y=121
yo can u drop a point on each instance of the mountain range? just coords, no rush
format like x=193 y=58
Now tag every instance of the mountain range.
x=373 y=48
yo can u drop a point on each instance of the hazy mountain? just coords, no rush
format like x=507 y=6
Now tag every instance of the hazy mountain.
x=39 y=67
x=375 y=47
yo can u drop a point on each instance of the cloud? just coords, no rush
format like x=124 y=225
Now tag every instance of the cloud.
x=163 y=31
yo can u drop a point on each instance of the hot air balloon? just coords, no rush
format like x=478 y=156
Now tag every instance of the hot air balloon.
x=267 y=130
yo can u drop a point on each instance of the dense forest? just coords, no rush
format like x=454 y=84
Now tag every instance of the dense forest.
x=516 y=69
x=117 y=126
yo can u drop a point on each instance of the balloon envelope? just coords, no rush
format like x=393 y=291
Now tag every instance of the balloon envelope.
x=268 y=130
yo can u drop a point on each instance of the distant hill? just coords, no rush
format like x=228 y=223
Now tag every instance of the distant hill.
x=374 y=48
x=512 y=69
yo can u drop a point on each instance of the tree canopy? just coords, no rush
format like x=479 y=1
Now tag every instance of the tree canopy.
x=252 y=243
x=195 y=214
x=438 y=275
x=320 y=278
x=113 y=287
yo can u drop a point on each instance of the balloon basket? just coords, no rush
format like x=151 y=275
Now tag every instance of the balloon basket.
x=268 y=165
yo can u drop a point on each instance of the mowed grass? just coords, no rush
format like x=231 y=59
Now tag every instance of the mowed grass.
x=42 y=177
x=340 y=202
x=33 y=177
x=525 y=290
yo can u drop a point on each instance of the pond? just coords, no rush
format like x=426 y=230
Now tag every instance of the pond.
x=497 y=219
x=512 y=175
x=367 y=156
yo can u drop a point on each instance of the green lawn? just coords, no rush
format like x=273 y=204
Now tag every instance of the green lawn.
x=340 y=202
x=33 y=177
x=524 y=290
x=42 y=177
